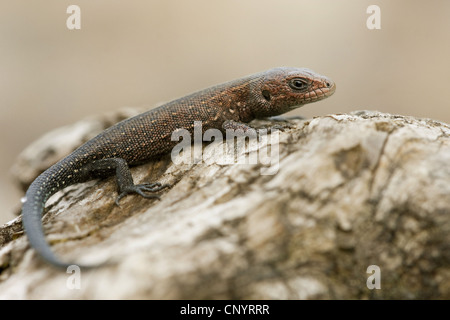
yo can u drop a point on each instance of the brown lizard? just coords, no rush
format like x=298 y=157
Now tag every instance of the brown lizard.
x=140 y=138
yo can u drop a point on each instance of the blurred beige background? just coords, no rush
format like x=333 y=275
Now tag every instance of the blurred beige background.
x=138 y=53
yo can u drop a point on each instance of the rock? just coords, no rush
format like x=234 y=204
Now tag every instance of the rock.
x=349 y=192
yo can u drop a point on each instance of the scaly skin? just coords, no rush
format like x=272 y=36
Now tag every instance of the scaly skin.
x=140 y=138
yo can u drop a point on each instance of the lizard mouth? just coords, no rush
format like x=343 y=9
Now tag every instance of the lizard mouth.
x=331 y=88
x=325 y=89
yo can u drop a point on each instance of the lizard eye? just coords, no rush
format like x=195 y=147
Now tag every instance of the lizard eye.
x=298 y=84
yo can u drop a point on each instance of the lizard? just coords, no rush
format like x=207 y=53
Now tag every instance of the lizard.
x=138 y=139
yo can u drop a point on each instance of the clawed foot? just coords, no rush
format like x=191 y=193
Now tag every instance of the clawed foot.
x=141 y=189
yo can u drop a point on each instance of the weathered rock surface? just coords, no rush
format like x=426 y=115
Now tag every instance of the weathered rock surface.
x=351 y=191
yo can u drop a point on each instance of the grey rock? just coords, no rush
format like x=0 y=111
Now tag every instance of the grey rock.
x=351 y=191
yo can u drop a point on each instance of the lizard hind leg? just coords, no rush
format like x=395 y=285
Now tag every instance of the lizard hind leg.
x=124 y=178
x=141 y=190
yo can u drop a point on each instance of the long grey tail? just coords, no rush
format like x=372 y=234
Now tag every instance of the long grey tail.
x=32 y=209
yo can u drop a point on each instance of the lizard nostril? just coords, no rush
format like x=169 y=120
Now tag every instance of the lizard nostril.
x=328 y=84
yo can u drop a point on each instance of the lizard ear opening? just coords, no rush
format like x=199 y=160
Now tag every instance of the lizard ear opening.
x=266 y=95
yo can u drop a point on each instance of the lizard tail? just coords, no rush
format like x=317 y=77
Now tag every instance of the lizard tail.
x=32 y=209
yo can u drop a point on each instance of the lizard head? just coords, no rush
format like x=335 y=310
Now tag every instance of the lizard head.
x=280 y=90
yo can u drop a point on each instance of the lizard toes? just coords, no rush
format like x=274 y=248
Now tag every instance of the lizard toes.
x=140 y=191
x=151 y=184
x=120 y=196
x=152 y=187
